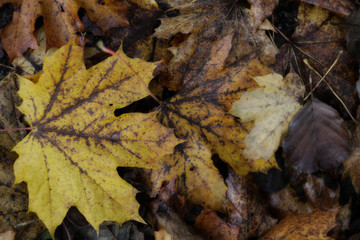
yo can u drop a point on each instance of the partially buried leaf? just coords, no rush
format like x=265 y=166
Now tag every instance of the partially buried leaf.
x=313 y=226
x=198 y=114
x=248 y=209
x=352 y=168
x=76 y=142
x=316 y=140
x=272 y=107
x=168 y=211
x=320 y=41
x=342 y=8
x=61 y=22
x=213 y=227
x=261 y=9
x=201 y=23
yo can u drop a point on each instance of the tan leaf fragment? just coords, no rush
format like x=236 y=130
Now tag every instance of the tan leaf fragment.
x=272 y=107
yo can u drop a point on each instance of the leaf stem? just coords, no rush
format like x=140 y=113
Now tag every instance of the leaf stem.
x=100 y=45
x=15 y=129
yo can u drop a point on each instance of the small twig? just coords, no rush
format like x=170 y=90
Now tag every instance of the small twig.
x=15 y=129
x=182 y=5
x=67 y=231
x=5 y=66
x=100 y=45
x=323 y=77
x=294 y=45
x=26 y=223
x=332 y=90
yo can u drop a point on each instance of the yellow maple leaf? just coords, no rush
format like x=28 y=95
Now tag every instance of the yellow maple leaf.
x=76 y=143
x=272 y=107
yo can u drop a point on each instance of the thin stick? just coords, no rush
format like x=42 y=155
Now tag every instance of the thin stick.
x=15 y=129
x=323 y=77
x=100 y=45
x=332 y=90
x=26 y=223
x=182 y=5
x=296 y=46
x=67 y=231
x=5 y=66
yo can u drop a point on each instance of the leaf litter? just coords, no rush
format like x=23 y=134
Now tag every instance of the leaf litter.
x=214 y=65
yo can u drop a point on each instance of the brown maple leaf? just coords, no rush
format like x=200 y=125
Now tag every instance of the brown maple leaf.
x=61 y=21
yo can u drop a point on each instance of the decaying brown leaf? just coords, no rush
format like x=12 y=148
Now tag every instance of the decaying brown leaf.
x=248 y=209
x=316 y=140
x=61 y=22
x=213 y=227
x=316 y=193
x=261 y=9
x=313 y=226
x=201 y=23
x=319 y=41
x=13 y=199
x=10 y=115
x=166 y=210
x=342 y=8
x=352 y=168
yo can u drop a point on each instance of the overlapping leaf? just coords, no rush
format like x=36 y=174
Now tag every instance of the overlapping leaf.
x=272 y=107
x=314 y=226
x=198 y=114
x=76 y=143
x=204 y=22
x=61 y=21
x=316 y=140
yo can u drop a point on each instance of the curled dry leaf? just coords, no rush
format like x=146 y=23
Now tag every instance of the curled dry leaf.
x=76 y=142
x=316 y=140
x=61 y=22
x=313 y=226
x=272 y=107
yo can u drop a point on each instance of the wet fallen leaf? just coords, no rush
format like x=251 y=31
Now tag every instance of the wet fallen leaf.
x=198 y=114
x=261 y=9
x=213 y=227
x=14 y=199
x=272 y=107
x=352 y=168
x=320 y=41
x=316 y=140
x=168 y=211
x=313 y=226
x=61 y=22
x=75 y=135
x=342 y=8
x=316 y=195
x=200 y=23
x=248 y=209
x=10 y=115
